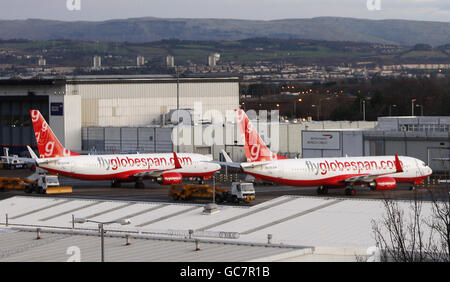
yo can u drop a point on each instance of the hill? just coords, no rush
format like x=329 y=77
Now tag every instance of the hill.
x=398 y=32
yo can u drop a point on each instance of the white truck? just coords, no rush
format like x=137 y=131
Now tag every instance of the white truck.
x=239 y=192
x=42 y=182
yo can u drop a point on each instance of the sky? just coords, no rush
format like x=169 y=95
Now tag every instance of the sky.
x=99 y=10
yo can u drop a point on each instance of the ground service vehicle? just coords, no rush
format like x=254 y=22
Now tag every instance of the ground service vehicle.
x=14 y=183
x=41 y=184
x=240 y=192
x=13 y=162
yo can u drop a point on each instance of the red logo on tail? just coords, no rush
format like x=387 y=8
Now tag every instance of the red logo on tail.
x=47 y=143
x=255 y=148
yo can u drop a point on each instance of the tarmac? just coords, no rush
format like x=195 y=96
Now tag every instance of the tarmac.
x=155 y=192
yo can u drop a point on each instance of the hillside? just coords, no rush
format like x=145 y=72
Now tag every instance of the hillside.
x=398 y=32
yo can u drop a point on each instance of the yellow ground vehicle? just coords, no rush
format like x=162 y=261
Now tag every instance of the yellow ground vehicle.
x=240 y=192
x=41 y=184
x=14 y=183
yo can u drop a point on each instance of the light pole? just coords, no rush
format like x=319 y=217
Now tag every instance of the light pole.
x=320 y=106
x=363 y=102
x=421 y=109
x=412 y=107
x=178 y=106
x=317 y=107
x=102 y=230
x=390 y=110
x=214 y=189
x=364 y=110
x=294 y=114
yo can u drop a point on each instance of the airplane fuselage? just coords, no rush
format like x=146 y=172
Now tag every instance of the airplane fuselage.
x=332 y=171
x=123 y=166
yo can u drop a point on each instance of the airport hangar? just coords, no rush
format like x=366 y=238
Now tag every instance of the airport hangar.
x=117 y=102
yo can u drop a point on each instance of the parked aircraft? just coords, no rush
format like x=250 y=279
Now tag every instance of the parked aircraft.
x=165 y=168
x=375 y=172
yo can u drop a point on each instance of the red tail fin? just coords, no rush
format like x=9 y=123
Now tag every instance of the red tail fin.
x=47 y=143
x=255 y=149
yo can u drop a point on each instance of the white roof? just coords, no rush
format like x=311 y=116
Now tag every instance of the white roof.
x=292 y=220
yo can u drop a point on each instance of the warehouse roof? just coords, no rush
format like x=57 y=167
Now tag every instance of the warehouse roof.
x=293 y=221
x=20 y=245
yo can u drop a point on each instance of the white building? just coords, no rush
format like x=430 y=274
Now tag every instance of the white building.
x=140 y=61
x=212 y=59
x=42 y=62
x=170 y=61
x=97 y=62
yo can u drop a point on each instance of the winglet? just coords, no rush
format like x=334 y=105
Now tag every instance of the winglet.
x=176 y=160
x=32 y=154
x=398 y=165
x=225 y=155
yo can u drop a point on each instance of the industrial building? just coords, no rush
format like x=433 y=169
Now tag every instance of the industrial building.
x=73 y=103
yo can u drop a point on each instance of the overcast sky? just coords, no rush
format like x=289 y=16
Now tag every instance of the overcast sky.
x=98 y=10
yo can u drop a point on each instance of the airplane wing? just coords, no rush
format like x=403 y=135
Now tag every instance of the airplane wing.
x=33 y=160
x=228 y=161
x=362 y=178
x=225 y=155
x=158 y=172
x=151 y=173
x=25 y=160
x=228 y=164
x=255 y=164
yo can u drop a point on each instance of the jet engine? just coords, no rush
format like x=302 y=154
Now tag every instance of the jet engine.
x=383 y=183
x=169 y=178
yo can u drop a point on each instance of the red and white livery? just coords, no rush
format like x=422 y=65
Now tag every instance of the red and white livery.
x=166 y=168
x=376 y=172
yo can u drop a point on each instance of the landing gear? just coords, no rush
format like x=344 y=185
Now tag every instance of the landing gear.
x=139 y=184
x=322 y=190
x=350 y=191
x=201 y=180
x=115 y=184
x=412 y=188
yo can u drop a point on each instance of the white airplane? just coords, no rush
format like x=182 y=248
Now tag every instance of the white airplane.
x=165 y=168
x=378 y=172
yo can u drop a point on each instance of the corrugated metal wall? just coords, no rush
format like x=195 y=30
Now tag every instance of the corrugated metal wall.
x=16 y=130
x=422 y=145
x=127 y=139
x=141 y=104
